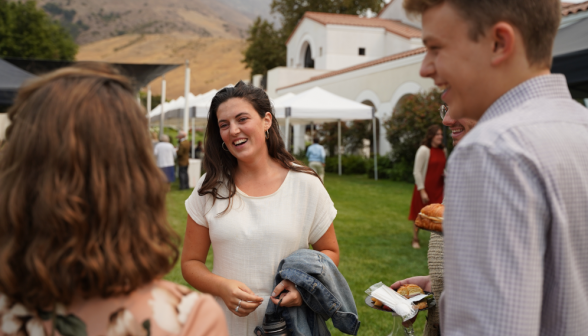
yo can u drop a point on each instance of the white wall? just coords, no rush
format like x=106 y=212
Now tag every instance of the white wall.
x=383 y=84
x=395 y=11
x=281 y=76
x=309 y=32
x=4 y=122
x=343 y=43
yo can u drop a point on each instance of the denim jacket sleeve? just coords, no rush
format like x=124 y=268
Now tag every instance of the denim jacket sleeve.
x=325 y=293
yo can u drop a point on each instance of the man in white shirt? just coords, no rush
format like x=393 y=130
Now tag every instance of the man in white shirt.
x=165 y=154
x=516 y=189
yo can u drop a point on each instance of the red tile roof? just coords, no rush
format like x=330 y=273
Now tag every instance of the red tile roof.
x=392 y=26
x=569 y=8
x=363 y=65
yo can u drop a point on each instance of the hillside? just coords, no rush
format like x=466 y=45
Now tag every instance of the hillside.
x=94 y=20
x=214 y=61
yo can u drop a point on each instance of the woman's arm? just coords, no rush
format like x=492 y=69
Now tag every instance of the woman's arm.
x=194 y=270
x=328 y=245
x=420 y=166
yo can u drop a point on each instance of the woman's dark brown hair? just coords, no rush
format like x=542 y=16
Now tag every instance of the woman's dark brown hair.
x=220 y=165
x=431 y=132
x=82 y=202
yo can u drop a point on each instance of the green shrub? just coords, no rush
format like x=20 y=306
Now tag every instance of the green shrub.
x=351 y=164
x=384 y=167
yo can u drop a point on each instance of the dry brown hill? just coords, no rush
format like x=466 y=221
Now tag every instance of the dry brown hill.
x=94 y=20
x=214 y=61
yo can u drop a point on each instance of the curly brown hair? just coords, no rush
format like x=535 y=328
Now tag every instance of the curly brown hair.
x=82 y=202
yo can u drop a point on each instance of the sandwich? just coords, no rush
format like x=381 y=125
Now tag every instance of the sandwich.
x=409 y=291
x=431 y=217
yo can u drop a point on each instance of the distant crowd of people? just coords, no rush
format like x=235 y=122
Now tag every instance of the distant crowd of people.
x=85 y=240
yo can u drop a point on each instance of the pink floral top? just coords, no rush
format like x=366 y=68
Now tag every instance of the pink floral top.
x=160 y=308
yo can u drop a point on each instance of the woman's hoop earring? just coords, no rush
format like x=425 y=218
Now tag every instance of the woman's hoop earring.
x=267 y=134
x=224 y=146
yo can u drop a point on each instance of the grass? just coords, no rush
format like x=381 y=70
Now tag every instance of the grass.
x=374 y=237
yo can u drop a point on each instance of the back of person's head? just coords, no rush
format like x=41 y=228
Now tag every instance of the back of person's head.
x=82 y=203
x=315 y=140
x=164 y=138
x=537 y=21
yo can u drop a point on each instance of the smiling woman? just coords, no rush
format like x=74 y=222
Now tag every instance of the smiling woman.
x=256 y=205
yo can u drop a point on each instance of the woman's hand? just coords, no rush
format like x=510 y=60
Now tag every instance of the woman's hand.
x=289 y=294
x=237 y=294
x=424 y=196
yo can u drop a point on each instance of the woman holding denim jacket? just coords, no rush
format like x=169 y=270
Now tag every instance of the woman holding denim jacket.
x=255 y=205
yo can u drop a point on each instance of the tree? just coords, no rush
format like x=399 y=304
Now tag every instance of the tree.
x=407 y=127
x=28 y=32
x=293 y=10
x=267 y=46
x=266 y=49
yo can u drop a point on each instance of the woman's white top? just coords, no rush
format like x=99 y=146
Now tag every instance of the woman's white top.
x=421 y=163
x=251 y=239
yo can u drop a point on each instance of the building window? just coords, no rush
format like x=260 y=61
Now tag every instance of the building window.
x=361 y=51
x=308 y=61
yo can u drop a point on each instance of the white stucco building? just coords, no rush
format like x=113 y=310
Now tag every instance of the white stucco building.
x=376 y=61
x=369 y=60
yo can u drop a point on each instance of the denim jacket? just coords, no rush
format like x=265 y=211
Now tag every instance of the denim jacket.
x=325 y=293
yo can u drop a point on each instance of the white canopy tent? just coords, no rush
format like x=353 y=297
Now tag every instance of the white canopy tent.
x=319 y=106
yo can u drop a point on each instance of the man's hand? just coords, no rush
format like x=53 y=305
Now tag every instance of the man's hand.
x=422 y=281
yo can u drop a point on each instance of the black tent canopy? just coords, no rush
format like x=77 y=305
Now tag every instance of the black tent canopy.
x=11 y=78
x=570 y=56
x=140 y=74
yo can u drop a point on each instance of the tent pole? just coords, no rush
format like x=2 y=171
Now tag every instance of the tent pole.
x=162 y=105
x=288 y=113
x=339 y=144
x=186 y=93
x=375 y=145
x=193 y=138
x=149 y=106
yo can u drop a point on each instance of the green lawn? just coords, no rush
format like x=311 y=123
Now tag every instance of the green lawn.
x=374 y=236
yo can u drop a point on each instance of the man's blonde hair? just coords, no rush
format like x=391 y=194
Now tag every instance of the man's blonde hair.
x=537 y=20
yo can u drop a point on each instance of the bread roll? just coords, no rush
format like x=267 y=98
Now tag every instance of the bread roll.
x=431 y=217
x=409 y=291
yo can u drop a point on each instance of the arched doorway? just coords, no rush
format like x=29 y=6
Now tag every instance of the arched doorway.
x=308 y=61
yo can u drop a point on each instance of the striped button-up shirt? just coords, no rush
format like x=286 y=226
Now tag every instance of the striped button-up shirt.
x=516 y=219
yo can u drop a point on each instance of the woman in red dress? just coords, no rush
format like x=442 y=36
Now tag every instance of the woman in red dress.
x=428 y=170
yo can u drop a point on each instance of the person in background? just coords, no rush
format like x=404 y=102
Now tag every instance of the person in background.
x=154 y=139
x=84 y=237
x=165 y=154
x=434 y=281
x=183 y=153
x=198 y=151
x=516 y=189
x=316 y=158
x=429 y=166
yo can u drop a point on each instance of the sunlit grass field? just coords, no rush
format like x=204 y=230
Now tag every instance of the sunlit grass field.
x=374 y=237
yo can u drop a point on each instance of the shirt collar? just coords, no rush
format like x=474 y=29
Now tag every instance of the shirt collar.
x=552 y=86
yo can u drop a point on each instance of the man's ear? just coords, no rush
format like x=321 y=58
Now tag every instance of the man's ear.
x=503 y=36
